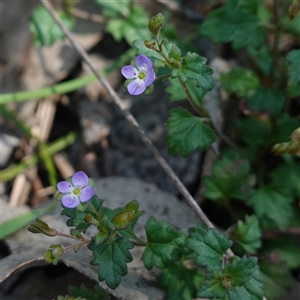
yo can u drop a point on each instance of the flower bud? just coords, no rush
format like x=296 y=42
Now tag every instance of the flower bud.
x=41 y=227
x=156 y=23
x=54 y=254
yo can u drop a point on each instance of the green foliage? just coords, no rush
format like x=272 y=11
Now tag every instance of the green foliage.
x=177 y=93
x=45 y=29
x=187 y=133
x=180 y=282
x=266 y=100
x=97 y=293
x=134 y=26
x=111 y=257
x=193 y=67
x=230 y=178
x=164 y=244
x=77 y=217
x=233 y=24
x=210 y=245
x=239 y=81
x=273 y=203
x=240 y=279
x=293 y=58
x=112 y=9
x=248 y=234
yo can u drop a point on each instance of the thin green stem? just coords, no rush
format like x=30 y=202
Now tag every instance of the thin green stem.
x=138 y=242
x=95 y=211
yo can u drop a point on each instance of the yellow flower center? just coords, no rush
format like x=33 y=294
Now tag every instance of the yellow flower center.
x=76 y=191
x=142 y=75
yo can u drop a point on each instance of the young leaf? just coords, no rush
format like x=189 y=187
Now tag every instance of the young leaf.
x=251 y=289
x=238 y=270
x=230 y=178
x=77 y=217
x=293 y=57
x=212 y=287
x=210 y=246
x=266 y=100
x=164 y=244
x=97 y=293
x=111 y=257
x=248 y=234
x=187 y=133
x=273 y=202
x=45 y=29
x=239 y=81
x=172 y=52
x=156 y=58
x=181 y=282
x=193 y=67
x=232 y=24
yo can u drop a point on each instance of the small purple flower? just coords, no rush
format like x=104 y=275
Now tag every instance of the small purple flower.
x=142 y=77
x=76 y=191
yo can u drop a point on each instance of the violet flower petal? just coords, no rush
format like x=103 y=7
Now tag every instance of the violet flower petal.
x=143 y=62
x=80 y=179
x=65 y=187
x=150 y=77
x=136 y=87
x=86 y=193
x=129 y=72
x=70 y=201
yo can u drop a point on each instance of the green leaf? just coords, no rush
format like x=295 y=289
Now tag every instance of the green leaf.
x=250 y=289
x=238 y=270
x=293 y=57
x=240 y=279
x=232 y=24
x=134 y=26
x=113 y=9
x=156 y=58
x=180 y=282
x=155 y=24
x=262 y=57
x=164 y=244
x=239 y=81
x=172 y=52
x=276 y=279
x=187 y=133
x=253 y=132
x=213 y=287
x=288 y=174
x=193 y=67
x=44 y=27
x=111 y=257
x=266 y=100
x=98 y=293
x=230 y=178
x=210 y=246
x=77 y=217
x=177 y=92
x=248 y=234
x=273 y=203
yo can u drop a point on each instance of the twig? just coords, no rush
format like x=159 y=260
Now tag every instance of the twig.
x=132 y=121
x=88 y=16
